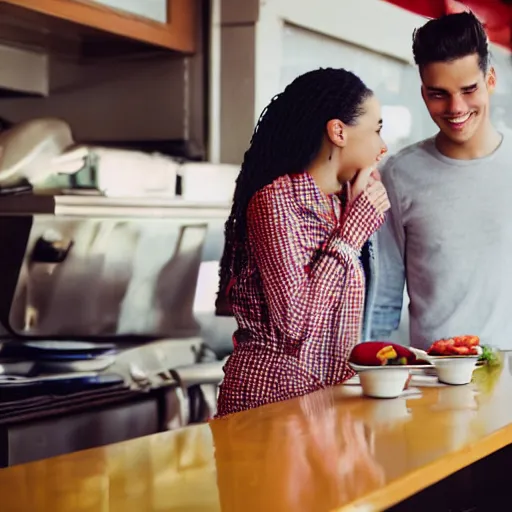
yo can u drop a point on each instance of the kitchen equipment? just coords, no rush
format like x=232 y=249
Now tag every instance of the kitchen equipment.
x=201 y=181
x=12 y=366
x=108 y=284
x=28 y=148
x=124 y=275
x=95 y=364
x=14 y=380
x=74 y=350
x=41 y=153
x=91 y=169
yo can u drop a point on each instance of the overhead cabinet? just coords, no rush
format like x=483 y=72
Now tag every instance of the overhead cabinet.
x=168 y=24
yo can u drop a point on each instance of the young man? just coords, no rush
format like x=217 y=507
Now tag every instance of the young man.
x=449 y=232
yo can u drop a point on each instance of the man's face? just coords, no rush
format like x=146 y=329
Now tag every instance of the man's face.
x=456 y=94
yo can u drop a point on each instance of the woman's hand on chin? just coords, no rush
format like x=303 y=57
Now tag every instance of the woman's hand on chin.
x=367 y=181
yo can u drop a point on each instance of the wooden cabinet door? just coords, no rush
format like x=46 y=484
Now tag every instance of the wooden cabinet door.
x=155 y=10
x=178 y=32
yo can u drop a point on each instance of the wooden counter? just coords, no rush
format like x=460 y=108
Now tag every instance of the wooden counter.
x=330 y=451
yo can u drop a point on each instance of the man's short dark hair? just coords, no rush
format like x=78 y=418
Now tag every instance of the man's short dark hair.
x=451 y=37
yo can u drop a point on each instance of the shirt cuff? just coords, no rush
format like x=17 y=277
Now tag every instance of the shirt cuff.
x=360 y=222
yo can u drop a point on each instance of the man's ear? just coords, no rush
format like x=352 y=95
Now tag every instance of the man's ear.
x=491 y=80
x=337 y=133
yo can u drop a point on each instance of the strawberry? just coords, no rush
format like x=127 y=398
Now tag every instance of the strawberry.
x=456 y=346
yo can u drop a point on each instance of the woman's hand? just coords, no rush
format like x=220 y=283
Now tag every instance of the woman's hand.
x=377 y=194
x=368 y=182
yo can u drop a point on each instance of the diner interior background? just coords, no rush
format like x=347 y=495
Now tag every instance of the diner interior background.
x=204 y=106
x=198 y=104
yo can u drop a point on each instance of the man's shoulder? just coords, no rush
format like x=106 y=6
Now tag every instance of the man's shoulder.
x=409 y=157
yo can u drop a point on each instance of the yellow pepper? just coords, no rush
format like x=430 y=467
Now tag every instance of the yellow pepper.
x=385 y=354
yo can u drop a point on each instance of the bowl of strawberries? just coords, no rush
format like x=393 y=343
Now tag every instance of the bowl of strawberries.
x=455 y=358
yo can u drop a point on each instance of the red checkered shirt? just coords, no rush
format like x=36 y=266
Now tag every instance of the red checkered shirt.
x=299 y=301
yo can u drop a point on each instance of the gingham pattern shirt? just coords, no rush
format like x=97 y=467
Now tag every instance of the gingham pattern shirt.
x=299 y=301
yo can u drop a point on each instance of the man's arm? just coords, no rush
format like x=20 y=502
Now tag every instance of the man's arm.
x=390 y=259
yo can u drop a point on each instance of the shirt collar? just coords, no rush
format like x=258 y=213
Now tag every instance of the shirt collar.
x=308 y=195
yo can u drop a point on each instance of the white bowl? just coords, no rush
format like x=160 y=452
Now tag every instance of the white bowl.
x=456 y=371
x=382 y=381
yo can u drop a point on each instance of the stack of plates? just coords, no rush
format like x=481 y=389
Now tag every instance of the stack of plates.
x=70 y=356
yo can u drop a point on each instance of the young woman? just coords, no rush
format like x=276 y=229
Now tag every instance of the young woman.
x=291 y=267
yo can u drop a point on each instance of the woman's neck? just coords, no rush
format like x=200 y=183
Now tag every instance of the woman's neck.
x=324 y=173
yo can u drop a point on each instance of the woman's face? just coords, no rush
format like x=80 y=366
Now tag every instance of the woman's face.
x=363 y=145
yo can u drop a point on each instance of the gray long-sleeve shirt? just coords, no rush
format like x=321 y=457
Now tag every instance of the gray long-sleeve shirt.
x=449 y=236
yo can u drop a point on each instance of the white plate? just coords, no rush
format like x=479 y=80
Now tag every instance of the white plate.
x=96 y=364
x=360 y=368
x=66 y=346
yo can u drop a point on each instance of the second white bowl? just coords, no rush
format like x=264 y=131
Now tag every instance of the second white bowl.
x=456 y=371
